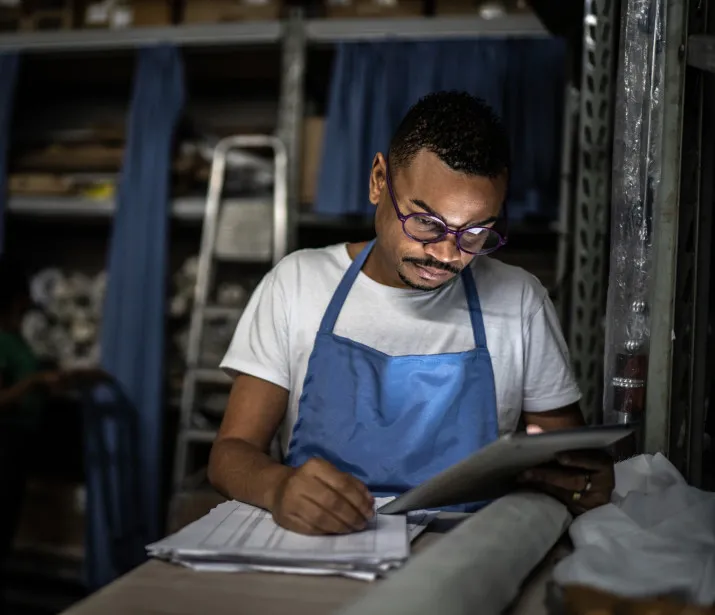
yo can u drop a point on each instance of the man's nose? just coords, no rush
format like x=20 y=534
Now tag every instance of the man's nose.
x=445 y=251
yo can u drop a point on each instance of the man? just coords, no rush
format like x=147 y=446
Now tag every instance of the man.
x=390 y=361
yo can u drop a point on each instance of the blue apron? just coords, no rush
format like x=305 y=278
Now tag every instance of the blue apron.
x=393 y=422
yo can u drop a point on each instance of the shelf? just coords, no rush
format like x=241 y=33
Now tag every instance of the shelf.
x=269 y=32
x=336 y=30
x=189 y=209
x=197 y=35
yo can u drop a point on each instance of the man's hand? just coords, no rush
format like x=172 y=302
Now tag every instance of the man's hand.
x=316 y=498
x=581 y=479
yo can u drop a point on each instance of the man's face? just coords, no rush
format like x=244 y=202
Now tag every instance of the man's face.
x=427 y=185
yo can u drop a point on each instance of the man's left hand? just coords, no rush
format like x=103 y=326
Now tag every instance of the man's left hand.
x=581 y=479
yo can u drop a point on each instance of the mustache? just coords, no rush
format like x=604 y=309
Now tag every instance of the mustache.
x=425 y=262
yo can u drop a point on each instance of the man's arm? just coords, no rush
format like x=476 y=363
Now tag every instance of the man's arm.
x=562 y=418
x=240 y=466
x=313 y=499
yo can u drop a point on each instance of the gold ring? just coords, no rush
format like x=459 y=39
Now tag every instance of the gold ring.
x=576 y=496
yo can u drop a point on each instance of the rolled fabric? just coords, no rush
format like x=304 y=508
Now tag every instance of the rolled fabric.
x=478 y=567
x=42 y=285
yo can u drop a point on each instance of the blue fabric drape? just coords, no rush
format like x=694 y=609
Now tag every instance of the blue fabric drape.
x=9 y=66
x=132 y=337
x=115 y=531
x=374 y=84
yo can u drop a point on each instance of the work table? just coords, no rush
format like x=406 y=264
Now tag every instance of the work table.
x=160 y=588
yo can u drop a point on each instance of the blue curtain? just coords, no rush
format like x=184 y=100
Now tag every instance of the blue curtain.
x=374 y=84
x=132 y=337
x=9 y=65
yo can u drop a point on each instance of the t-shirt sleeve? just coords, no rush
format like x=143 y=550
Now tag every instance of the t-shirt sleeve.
x=259 y=346
x=549 y=382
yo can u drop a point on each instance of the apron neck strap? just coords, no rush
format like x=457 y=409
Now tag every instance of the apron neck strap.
x=341 y=293
x=475 y=308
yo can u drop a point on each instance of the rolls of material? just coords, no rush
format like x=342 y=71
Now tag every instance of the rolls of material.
x=478 y=567
x=64 y=328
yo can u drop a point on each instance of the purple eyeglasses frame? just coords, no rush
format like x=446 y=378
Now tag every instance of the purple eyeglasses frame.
x=447 y=231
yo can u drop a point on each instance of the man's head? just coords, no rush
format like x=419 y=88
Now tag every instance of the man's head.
x=448 y=159
x=14 y=294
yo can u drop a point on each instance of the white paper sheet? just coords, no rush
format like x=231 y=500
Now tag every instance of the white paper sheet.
x=237 y=537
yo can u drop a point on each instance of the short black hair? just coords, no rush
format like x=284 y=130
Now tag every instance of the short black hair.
x=462 y=130
x=14 y=282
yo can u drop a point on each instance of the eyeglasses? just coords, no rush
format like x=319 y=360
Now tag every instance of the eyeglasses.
x=427 y=228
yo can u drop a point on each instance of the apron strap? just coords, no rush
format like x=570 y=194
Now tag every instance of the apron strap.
x=341 y=293
x=475 y=308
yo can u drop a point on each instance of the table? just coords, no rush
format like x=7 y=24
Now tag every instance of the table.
x=159 y=588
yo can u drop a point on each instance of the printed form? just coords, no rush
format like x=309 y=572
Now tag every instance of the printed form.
x=239 y=537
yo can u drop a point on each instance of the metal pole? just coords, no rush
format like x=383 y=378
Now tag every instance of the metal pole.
x=658 y=423
x=592 y=202
x=290 y=120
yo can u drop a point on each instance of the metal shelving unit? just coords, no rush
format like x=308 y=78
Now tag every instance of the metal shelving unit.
x=335 y=30
x=209 y=35
x=273 y=32
x=294 y=35
x=189 y=209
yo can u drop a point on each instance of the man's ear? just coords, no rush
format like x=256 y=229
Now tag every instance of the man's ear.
x=378 y=178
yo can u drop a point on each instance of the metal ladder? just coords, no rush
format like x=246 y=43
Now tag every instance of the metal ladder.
x=191 y=430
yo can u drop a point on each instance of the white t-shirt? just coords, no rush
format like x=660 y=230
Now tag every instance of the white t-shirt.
x=275 y=335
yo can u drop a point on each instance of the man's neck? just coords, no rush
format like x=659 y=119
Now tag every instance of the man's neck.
x=374 y=266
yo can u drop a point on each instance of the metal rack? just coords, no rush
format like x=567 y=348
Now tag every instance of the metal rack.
x=681 y=355
x=268 y=32
x=590 y=216
x=678 y=379
x=294 y=34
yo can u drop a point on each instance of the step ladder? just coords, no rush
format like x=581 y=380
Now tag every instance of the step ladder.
x=269 y=246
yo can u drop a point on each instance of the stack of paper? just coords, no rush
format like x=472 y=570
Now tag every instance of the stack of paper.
x=236 y=537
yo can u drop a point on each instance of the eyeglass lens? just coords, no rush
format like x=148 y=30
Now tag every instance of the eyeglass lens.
x=474 y=240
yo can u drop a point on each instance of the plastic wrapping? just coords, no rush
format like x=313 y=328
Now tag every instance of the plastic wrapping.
x=637 y=149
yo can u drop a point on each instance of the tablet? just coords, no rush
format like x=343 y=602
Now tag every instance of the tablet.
x=492 y=471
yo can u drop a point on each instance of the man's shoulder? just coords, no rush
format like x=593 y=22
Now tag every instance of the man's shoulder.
x=312 y=258
x=508 y=282
x=310 y=265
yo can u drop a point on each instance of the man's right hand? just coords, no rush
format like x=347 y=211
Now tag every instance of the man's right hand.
x=317 y=498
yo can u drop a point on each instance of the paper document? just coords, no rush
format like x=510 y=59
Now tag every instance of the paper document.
x=236 y=537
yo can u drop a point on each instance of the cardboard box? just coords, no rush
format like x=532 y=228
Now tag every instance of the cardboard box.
x=343 y=9
x=311 y=156
x=152 y=13
x=220 y=11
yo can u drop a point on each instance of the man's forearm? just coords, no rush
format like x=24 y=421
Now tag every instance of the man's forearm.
x=242 y=472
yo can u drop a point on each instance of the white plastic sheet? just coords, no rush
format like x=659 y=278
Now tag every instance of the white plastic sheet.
x=656 y=537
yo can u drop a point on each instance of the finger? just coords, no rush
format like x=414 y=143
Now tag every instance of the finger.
x=588 y=460
x=347 y=487
x=294 y=523
x=324 y=518
x=562 y=495
x=564 y=478
x=337 y=504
